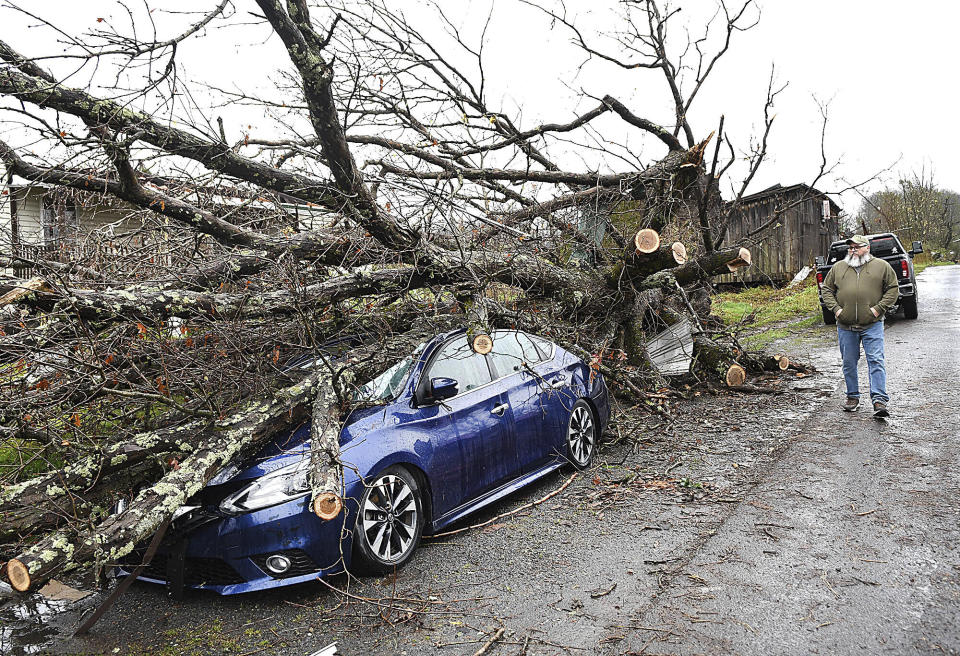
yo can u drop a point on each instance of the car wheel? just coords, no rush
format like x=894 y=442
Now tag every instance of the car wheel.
x=389 y=522
x=829 y=318
x=910 y=307
x=581 y=435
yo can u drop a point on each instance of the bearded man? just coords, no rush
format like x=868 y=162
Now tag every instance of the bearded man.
x=860 y=290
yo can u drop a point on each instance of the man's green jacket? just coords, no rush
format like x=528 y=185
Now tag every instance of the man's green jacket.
x=856 y=292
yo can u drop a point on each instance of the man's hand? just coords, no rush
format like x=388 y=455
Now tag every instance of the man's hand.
x=875 y=313
x=837 y=312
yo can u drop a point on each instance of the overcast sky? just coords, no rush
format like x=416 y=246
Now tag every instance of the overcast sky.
x=886 y=71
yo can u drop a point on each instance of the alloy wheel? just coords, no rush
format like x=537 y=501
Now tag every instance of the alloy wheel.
x=390 y=520
x=581 y=435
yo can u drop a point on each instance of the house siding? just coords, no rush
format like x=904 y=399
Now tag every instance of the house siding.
x=97 y=234
x=6 y=218
x=105 y=232
x=7 y=222
x=29 y=218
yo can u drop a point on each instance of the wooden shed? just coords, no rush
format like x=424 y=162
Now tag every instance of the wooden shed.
x=805 y=221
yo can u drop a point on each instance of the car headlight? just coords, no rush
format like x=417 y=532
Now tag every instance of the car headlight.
x=278 y=486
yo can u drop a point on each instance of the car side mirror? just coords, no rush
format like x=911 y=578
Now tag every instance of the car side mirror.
x=819 y=260
x=917 y=248
x=442 y=388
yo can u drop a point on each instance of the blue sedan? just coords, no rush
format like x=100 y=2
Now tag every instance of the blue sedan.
x=452 y=431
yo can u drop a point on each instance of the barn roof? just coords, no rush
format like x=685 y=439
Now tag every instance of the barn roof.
x=780 y=190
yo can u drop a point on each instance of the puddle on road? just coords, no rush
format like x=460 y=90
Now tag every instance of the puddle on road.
x=29 y=625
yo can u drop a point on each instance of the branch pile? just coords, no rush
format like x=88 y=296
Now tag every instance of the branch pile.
x=400 y=204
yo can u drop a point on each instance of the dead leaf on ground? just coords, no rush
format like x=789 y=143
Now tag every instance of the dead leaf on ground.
x=57 y=591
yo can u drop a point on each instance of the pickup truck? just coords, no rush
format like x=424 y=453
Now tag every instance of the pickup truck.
x=886 y=246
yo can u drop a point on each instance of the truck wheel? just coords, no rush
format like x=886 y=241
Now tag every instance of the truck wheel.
x=828 y=316
x=910 y=307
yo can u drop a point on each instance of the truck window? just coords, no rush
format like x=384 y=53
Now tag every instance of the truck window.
x=837 y=253
x=883 y=246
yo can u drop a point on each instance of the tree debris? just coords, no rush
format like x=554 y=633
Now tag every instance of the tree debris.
x=139 y=368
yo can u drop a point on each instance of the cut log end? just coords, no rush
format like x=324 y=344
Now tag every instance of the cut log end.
x=647 y=241
x=327 y=506
x=743 y=259
x=736 y=375
x=782 y=361
x=483 y=344
x=679 y=252
x=18 y=575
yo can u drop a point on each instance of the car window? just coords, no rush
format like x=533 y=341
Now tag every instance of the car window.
x=545 y=347
x=511 y=350
x=458 y=361
x=387 y=385
x=837 y=253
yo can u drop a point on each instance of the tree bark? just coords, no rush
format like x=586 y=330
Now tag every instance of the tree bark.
x=699 y=268
x=667 y=256
x=326 y=468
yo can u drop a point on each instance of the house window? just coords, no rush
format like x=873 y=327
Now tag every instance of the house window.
x=59 y=221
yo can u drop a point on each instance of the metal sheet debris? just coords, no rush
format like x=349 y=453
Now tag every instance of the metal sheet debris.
x=671 y=351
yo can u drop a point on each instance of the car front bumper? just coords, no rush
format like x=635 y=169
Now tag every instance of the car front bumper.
x=207 y=550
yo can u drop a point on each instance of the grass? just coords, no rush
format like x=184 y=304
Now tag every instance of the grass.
x=757 y=307
x=920 y=266
x=766 y=314
x=212 y=638
x=26 y=458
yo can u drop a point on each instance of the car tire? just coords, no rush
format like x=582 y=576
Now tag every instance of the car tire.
x=581 y=438
x=910 y=310
x=829 y=318
x=389 y=523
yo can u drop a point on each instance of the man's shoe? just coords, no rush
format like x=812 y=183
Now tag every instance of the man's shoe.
x=851 y=404
x=880 y=409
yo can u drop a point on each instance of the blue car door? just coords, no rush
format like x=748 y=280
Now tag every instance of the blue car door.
x=532 y=400
x=479 y=415
x=557 y=396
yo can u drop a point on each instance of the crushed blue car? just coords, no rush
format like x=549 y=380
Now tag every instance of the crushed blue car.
x=453 y=432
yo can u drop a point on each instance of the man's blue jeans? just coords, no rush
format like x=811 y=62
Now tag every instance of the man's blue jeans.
x=872 y=339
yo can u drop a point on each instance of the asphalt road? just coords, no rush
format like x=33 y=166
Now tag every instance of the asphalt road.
x=732 y=524
x=851 y=542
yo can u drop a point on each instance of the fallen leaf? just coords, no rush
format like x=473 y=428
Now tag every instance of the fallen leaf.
x=60 y=592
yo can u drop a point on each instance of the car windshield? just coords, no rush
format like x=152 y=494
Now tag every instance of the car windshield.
x=387 y=385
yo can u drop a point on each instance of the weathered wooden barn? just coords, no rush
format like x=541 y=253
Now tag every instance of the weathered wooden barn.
x=805 y=221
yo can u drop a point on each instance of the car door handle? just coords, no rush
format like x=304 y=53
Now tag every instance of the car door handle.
x=557 y=382
x=499 y=410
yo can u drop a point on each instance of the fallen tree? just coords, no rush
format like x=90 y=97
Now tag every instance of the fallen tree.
x=140 y=378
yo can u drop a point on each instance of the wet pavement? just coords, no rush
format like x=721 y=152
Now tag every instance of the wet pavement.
x=851 y=542
x=748 y=524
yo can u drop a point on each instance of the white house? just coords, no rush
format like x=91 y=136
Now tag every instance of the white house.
x=39 y=220
x=44 y=221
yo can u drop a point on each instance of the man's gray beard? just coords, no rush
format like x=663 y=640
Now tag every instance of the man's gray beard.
x=857 y=260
